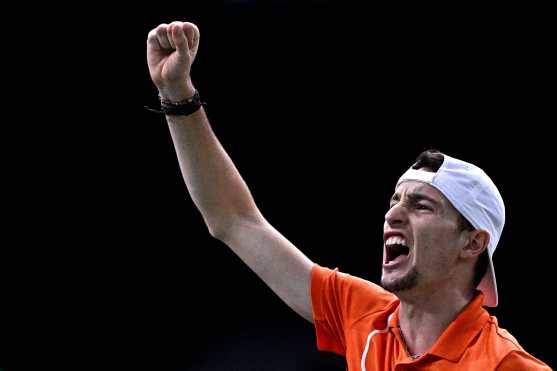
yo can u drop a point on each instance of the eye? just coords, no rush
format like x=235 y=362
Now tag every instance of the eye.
x=422 y=207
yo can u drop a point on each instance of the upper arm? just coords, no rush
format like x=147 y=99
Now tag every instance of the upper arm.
x=284 y=268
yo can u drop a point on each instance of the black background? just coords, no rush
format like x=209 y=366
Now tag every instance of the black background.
x=106 y=263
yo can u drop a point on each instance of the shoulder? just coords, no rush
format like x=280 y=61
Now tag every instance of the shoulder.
x=504 y=338
x=339 y=300
x=521 y=360
x=513 y=356
x=353 y=296
x=347 y=285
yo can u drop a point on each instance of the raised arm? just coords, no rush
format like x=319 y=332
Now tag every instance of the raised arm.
x=216 y=187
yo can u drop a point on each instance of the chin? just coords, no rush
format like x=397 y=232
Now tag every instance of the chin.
x=398 y=284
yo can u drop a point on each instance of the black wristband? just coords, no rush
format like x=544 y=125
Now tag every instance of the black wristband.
x=182 y=108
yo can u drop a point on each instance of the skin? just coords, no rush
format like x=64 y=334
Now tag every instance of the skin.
x=171 y=50
x=441 y=259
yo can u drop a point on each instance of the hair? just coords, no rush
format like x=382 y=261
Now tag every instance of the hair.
x=431 y=160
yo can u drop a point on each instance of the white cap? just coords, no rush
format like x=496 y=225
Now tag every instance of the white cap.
x=476 y=197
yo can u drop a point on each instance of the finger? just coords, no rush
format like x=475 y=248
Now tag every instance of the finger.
x=169 y=32
x=181 y=42
x=169 y=37
x=161 y=32
x=152 y=40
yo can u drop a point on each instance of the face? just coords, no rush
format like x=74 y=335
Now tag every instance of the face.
x=422 y=239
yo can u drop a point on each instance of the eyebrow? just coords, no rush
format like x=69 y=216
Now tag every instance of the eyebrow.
x=416 y=197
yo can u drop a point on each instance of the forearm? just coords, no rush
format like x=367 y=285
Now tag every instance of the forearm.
x=213 y=182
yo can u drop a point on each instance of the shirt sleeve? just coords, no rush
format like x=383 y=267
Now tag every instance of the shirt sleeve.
x=521 y=360
x=338 y=300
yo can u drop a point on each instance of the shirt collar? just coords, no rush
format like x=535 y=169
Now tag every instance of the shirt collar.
x=461 y=331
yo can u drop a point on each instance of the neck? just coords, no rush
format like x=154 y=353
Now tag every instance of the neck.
x=424 y=317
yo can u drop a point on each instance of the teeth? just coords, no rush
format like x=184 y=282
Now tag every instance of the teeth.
x=395 y=240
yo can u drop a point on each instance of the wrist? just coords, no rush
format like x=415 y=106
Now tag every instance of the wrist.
x=181 y=108
x=177 y=93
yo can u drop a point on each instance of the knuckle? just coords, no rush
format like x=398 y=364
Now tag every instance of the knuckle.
x=161 y=29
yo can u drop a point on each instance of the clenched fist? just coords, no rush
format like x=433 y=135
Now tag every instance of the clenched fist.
x=171 y=50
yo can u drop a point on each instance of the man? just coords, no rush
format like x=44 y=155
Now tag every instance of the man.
x=445 y=220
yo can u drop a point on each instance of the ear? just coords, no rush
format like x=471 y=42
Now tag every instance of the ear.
x=477 y=243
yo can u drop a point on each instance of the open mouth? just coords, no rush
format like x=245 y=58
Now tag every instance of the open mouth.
x=396 y=252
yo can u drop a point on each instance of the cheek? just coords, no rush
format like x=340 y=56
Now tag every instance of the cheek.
x=438 y=245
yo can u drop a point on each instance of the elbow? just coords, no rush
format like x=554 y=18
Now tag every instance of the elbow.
x=223 y=229
x=216 y=225
x=218 y=228
x=217 y=232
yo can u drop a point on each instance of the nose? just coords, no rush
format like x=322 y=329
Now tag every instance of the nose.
x=396 y=215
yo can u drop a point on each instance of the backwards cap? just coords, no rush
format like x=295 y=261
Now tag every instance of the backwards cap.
x=476 y=197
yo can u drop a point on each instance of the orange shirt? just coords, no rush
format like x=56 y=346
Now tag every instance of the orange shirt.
x=359 y=320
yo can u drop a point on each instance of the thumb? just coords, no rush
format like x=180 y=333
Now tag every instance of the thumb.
x=180 y=41
x=192 y=35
